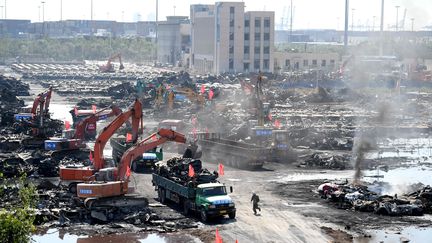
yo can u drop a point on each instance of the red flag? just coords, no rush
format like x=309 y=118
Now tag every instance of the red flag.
x=202 y=88
x=128 y=137
x=236 y=241
x=277 y=123
x=194 y=121
x=154 y=138
x=270 y=117
x=76 y=111
x=128 y=171
x=91 y=156
x=94 y=108
x=191 y=171
x=67 y=125
x=211 y=94
x=221 y=169
x=218 y=237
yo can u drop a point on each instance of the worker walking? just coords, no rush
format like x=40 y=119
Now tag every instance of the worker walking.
x=255 y=199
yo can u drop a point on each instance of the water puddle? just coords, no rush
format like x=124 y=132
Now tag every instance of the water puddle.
x=55 y=235
x=412 y=234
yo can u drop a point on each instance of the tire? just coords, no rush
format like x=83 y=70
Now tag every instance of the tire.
x=232 y=215
x=203 y=216
x=161 y=195
x=186 y=208
x=73 y=188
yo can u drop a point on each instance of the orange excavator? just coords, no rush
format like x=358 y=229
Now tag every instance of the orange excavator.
x=109 y=67
x=84 y=130
x=89 y=131
x=113 y=182
x=75 y=174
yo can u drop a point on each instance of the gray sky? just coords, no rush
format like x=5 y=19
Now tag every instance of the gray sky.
x=307 y=13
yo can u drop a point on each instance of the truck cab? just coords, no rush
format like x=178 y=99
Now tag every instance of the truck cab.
x=212 y=200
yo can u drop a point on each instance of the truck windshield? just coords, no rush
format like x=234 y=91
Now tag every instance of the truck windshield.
x=214 y=191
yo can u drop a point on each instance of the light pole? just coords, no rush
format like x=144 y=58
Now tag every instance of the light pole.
x=43 y=11
x=5 y=11
x=381 y=51
x=397 y=17
x=373 y=23
x=61 y=10
x=39 y=19
x=352 y=19
x=174 y=9
x=346 y=26
x=412 y=24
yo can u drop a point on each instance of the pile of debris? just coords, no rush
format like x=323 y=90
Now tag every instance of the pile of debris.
x=360 y=198
x=326 y=161
x=177 y=169
x=10 y=88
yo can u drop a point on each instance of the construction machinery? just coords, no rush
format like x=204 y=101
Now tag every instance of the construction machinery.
x=75 y=174
x=109 y=67
x=193 y=96
x=90 y=128
x=113 y=182
x=84 y=130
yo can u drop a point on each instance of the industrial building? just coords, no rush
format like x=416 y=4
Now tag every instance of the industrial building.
x=173 y=40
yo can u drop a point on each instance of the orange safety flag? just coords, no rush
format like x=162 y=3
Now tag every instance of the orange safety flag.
x=202 y=88
x=277 y=123
x=128 y=171
x=191 y=171
x=270 y=117
x=76 y=111
x=236 y=241
x=218 y=237
x=221 y=169
x=91 y=156
x=154 y=138
x=128 y=137
x=94 y=108
x=211 y=94
x=67 y=125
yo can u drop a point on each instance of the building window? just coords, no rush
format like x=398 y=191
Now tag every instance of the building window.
x=257 y=49
x=266 y=36
x=246 y=36
x=231 y=36
x=314 y=63
x=266 y=22
x=257 y=64
x=246 y=49
x=257 y=22
x=231 y=64
x=231 y=50
x=332 y=62
x=266 y=64
x=232 y=9
x=305 y=63
x=257 y=36
x=232 y=23
x=267 y=50
x=287 y=63
x=247 y=23
x=323 y=63
x=246 y=66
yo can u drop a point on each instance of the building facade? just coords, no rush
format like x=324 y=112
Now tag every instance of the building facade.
x=173 y=39
x=289 y=61
x=226 y=39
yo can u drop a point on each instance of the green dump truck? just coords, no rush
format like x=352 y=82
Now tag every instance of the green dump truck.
x=207 y=199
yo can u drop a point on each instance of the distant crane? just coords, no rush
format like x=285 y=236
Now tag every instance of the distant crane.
x=402 y=24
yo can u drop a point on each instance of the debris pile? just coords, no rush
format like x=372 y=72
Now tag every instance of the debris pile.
x=10 y=88
x=326 y=161
x=360 y=198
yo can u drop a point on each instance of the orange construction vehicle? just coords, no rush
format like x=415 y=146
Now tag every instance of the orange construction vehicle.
x=91 y=127
x=83 y=173
x=112 y=182
x=84 y=130
x=109 y=67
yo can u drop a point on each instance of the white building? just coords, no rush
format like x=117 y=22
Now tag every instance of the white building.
x=226 y=39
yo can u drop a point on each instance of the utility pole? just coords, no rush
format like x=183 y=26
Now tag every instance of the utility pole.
x=412 y=24
x=382 y=28
x=291 y=22
x=397 y=17
x=346 y=26
x=156 y=37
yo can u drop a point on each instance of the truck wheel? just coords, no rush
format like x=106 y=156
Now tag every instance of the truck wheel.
x=73 y=188
x=232 y=215
x=203 y=215
x=186 y=208
x=161 y=195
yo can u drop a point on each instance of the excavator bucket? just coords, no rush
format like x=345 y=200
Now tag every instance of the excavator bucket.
x=121 y=66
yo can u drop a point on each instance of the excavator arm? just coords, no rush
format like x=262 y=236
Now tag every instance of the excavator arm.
x=42 y=101
x=82 y=125
x=108 y=67
x=152 y=141
x=134 y=112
